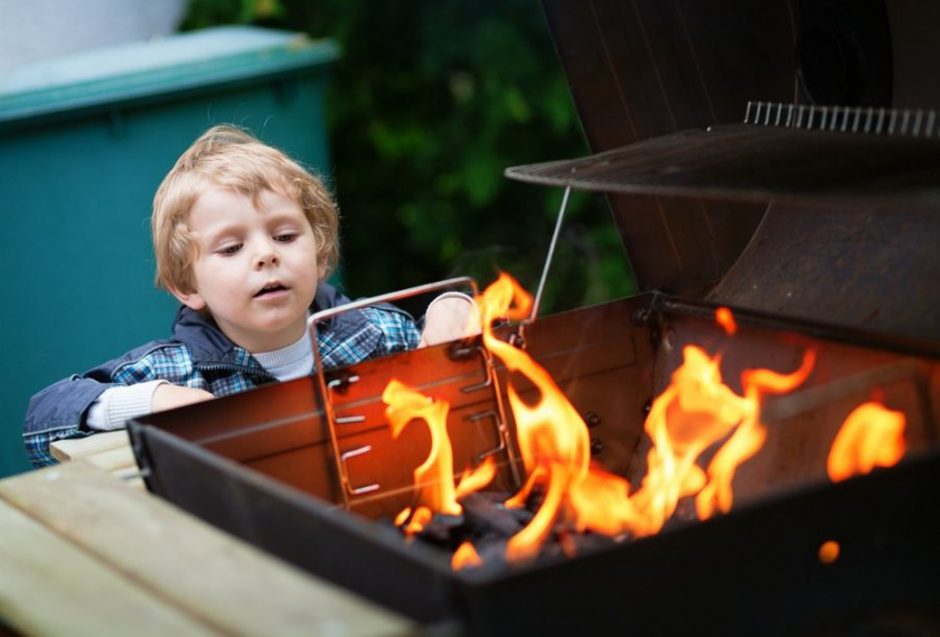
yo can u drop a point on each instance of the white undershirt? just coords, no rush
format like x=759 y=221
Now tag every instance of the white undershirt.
x=116 y=405
x=289 y=362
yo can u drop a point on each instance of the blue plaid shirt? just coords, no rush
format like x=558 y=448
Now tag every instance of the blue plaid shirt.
x=200 y=356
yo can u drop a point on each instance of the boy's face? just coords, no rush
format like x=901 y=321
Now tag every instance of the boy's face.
x=257 y=269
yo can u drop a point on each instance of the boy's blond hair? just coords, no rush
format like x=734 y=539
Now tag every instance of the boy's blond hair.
x=229 y=157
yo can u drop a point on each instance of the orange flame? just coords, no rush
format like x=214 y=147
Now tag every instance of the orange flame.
x=553 y=440
x=435 y=476
x=725 y=319
x=419 y=519
x=465 y=556
x=872 y=435
x=695 y=412
x=402 y=516
x=750 y=434
x=829 y=552
x=476 y=479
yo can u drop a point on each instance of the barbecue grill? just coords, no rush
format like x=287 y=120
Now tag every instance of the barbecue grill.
x=777 y=158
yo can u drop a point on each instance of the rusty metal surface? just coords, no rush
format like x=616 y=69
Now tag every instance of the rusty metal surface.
x=603 y=363
x=760 y=164
x=801 y=425
x=646 y=68
x=610 y=360
x=865 y=269
x=642 y=69
x=596 y=355
x=771 y=584
x=280 y=429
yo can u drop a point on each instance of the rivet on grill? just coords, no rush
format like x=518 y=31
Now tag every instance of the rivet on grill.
x=342 y=382
x=597 y=446
x=641 y=317
x=647 y=406
x=592 y=419
x=668 y=337
x=460 y=350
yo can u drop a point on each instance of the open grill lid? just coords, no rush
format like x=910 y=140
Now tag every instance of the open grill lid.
x=759 y=163
x=746 y=215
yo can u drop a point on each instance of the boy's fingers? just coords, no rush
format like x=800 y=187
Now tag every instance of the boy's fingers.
x=169 y=396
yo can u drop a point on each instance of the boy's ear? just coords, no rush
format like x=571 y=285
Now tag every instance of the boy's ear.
x=192 y=299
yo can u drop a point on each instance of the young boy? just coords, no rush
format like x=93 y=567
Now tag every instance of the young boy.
x=244 y=238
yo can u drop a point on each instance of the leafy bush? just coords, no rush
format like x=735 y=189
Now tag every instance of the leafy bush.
x=428 y=105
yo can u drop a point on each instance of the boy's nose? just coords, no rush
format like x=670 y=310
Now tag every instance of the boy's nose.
x=267 y=256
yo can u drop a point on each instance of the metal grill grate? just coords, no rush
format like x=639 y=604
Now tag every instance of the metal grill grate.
x=846 y=119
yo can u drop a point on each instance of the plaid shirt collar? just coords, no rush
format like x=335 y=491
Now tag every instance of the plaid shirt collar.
x=210 y=347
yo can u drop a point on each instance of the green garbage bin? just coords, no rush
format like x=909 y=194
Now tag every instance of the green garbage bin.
x=84 y=143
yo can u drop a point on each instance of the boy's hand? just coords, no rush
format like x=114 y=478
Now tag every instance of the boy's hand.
x=168 y=396
x=450 y=316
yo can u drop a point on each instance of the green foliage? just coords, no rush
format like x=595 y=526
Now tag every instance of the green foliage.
x=428 y=105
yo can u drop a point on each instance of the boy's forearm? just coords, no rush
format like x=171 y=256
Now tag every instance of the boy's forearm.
x=56 y=412
x=118 y=404
x=62 y=405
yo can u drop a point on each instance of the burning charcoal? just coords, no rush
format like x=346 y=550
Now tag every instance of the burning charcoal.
x=523 y=516
x=589 y=542
x=565 y=543
x=492 y=552
x=495 y=496
x=684 y=515
x=484 y=515
x=444 y=530
x=685 y=510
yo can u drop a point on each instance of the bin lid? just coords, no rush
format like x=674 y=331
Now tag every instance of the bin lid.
x=185 y=62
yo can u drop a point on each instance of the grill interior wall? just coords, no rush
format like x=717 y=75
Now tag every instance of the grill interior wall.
x=802 y=425
x=597 y=356
x=609 y=367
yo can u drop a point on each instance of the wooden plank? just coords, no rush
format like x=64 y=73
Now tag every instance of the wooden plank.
x=48 y=586
x=110 y=451
x=221 y=580
x=114 y=460
x=72 y=448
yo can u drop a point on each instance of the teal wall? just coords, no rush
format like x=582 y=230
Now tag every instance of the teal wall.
x=75 y=195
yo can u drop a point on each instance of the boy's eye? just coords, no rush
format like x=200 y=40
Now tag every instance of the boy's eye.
x=285 y=237
x=232 y=249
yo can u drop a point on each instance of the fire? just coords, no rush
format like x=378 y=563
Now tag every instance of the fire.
x=725 y=318
x=697 y=413
x=749 y=435
x=871 y=436
x=829 y=552
x=465 y=556
x=476 y=479
x=435 y=476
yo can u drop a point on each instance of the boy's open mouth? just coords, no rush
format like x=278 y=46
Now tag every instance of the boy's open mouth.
x=271 y=288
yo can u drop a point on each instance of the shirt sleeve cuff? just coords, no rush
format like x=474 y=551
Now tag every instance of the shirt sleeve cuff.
x=116 y=405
